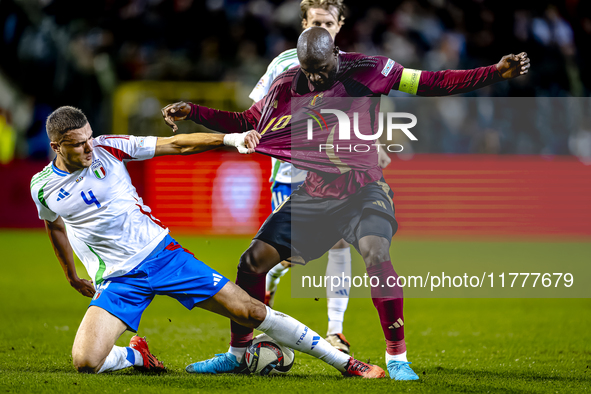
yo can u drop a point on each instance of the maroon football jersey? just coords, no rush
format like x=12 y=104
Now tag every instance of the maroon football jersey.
x=282 y=117
x=292 y=101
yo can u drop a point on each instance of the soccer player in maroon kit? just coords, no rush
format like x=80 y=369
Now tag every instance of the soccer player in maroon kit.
x=348 y=200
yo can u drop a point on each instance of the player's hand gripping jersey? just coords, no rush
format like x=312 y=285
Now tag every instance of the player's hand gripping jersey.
x=100 y=205
x=335 y=174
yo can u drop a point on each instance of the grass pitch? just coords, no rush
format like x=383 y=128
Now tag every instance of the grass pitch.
x=456 y=345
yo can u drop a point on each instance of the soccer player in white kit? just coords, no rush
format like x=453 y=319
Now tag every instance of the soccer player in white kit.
x=89 y=205
x=328 y=14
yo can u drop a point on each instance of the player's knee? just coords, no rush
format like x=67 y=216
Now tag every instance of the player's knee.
x=86 y=364
x=251 y=314
x=375 y=255
x=249 y=262
x=257 y=314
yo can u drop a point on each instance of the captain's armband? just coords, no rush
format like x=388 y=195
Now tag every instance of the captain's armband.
x=409 y=81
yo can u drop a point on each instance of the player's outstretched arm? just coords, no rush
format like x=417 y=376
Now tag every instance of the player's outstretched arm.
x=214 y=119
x=56 y=231
x=188 y=144
x=449 y=82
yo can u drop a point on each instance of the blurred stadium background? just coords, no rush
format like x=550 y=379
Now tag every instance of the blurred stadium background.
x=511 y=171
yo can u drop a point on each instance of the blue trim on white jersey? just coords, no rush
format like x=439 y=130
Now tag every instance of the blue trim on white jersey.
x=57 y=170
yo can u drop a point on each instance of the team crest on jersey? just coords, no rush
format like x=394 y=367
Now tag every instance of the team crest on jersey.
x=98 y=169
x=317 y=99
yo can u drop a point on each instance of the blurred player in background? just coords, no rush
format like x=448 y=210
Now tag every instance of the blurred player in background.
x=129 y=253
x=329 y=14
x=348 y=200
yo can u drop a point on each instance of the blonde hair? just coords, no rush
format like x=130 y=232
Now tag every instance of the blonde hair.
x=305 y=5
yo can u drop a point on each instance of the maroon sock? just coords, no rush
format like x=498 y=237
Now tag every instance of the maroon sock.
x=395 y=347
x=389 y=303
x=254 y=285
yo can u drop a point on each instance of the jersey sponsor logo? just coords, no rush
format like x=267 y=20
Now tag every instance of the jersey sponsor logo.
x=62 y=194
x=216 y=279
x=98 y=169
x=388 y=67
x=397 y=324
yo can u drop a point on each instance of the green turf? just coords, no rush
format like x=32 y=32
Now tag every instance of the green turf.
x=461 y=345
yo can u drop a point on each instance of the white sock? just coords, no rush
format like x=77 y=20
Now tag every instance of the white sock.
x=290 y=332
x=334 y=326
x=238 y=352
x=274 y=276
x=121 y=357
x=396 y=357
x=139 y=359
x=339 y=265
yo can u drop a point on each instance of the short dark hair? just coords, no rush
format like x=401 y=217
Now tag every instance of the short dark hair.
x=63 y=120
x=305 y=5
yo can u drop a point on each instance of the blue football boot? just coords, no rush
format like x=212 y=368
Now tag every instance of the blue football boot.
x=221 y=363
x=400 y=370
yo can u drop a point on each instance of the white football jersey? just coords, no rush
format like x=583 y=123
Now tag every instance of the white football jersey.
x=108 y=226
x=286 y=60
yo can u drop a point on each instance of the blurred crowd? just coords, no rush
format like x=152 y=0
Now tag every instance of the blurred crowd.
x=57 y=52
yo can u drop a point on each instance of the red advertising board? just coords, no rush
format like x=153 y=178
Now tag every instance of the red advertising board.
x=221 y=192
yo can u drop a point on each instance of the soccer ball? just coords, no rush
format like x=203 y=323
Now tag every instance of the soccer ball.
x=267 y=357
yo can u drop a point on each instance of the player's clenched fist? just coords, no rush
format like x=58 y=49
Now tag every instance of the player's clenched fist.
x=83 y=286
x=174 y=112
x=245 y=142
x=512 y=66
x=252 y=139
